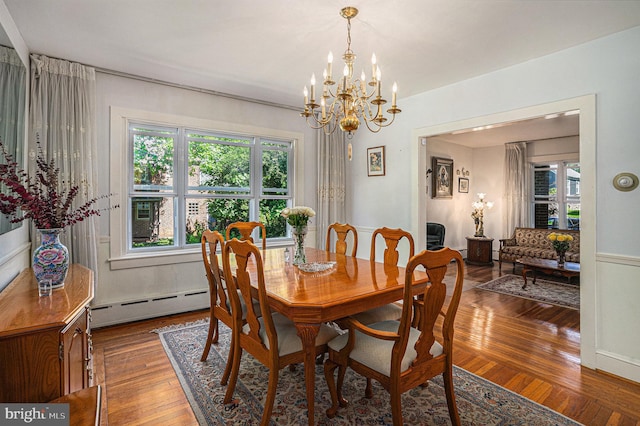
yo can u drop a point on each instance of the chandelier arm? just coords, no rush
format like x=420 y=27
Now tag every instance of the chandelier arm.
x=374 y=130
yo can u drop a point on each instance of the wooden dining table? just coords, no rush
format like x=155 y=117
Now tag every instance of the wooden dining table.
x=350 y=286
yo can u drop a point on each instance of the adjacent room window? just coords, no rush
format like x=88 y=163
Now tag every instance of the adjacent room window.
x=183 y=181
x=556 y=195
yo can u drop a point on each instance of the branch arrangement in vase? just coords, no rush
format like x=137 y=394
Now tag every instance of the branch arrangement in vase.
x=42 y=198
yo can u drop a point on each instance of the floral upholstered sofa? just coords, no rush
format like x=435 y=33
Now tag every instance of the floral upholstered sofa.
x=532 y=242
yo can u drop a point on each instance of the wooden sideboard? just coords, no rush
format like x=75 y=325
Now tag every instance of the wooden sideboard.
x=45 y=342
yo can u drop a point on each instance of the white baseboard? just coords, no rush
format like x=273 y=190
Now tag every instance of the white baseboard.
x=618 y=365
x=135 y=310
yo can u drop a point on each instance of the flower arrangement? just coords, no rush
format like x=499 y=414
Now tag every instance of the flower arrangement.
x=39 y=197
x=560 y=242
x=298 y=217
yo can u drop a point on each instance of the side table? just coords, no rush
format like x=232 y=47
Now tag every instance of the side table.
x=480 y=251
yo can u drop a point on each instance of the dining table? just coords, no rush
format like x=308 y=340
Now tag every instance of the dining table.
x=325 y=289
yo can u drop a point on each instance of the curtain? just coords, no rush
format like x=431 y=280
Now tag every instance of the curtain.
x=331 y=183
x=516 y=187
x=12 y=104
x=62 y=118
x=12 y=100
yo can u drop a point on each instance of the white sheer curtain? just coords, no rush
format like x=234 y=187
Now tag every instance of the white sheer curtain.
x=12 y=104
x=62 y=117
x=12 y=99
x=516 y=187
x=331 y=183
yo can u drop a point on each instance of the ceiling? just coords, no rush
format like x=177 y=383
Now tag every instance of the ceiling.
x=267 y=50
x=551 y=126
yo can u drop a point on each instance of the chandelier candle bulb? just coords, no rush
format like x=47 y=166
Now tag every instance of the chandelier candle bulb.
x=373 y=67
x=329 y=65
x=324 y=111
x=313 y=87
x=395 y=92
x=306 y=95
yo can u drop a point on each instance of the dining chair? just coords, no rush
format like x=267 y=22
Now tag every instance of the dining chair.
x=395 y=353
x=270 y=338
x=246 y=229
x=391 y=237
x=220 y=307
x=342 y=231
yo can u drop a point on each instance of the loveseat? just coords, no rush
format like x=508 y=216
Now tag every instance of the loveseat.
x=532 y=242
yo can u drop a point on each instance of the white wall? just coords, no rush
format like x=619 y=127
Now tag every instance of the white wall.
x=152 y=285
x=454 y=213
x=608 y=68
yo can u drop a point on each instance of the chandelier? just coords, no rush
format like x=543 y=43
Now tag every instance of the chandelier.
x=351 y=100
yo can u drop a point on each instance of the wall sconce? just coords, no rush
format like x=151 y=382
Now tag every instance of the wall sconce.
x=625 y=182
x=463 y=172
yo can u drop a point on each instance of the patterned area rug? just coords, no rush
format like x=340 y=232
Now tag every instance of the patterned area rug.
x=552 y=292
x=479 y=402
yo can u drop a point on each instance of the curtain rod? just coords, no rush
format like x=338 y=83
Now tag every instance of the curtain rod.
x=195 y=89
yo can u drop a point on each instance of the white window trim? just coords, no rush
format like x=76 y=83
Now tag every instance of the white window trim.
x=561 y=197
x=120 y=257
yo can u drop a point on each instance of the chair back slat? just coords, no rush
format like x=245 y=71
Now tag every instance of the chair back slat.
x=246 y=229
x=391 y=238
x=210 y=242
x=342 y=230
x=430 y=304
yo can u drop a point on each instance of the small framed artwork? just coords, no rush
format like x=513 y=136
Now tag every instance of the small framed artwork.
x=375 y=161
x=442 y=177
x=463 y=185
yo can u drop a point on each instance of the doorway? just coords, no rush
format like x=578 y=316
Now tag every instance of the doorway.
x=587 y=134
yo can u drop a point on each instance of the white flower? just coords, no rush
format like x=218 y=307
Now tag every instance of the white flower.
x=298 y=216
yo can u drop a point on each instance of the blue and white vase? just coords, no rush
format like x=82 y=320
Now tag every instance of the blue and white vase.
x=51 y=258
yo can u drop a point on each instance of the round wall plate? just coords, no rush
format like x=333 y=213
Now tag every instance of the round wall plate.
x=625 y=182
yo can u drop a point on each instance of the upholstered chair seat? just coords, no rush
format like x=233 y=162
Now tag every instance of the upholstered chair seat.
x=376 y=354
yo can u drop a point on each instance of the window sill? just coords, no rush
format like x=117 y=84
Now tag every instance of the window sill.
x=140 y=260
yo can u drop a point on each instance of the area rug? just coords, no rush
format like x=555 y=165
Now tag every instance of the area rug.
x=551 y=292
x=480 y=402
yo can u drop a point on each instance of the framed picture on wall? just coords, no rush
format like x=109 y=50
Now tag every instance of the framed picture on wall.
x=463 y=185
x=442 y=177
x=375 y=161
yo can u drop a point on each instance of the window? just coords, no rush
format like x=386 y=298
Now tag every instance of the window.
x=177 y=176
x=185 y=181
x=556 y=195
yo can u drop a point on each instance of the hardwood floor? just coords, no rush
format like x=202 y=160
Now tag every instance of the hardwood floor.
x=530 y=348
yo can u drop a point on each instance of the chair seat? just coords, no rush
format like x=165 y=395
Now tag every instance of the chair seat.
x=387 y=312
x=376 y=353
x=288 y=339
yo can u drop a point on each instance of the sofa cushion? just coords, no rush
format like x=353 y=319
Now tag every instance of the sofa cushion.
x=533 y=242
x=531 y=237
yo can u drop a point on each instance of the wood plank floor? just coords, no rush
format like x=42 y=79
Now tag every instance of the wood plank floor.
x=530 y=348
